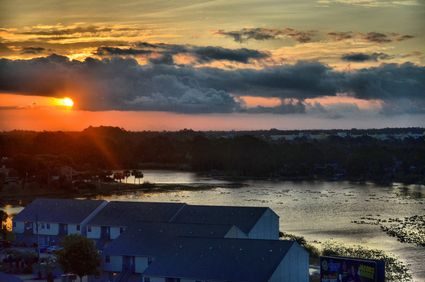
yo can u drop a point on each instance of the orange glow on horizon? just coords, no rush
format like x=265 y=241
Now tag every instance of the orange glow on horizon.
x=20 y=101
x=255 y=101
x=333 y=100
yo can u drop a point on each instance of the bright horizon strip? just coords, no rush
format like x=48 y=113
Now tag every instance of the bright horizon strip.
x=54 y=119
x=29 y=101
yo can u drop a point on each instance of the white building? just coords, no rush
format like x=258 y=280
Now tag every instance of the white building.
x=146 y=241
x=46 y=220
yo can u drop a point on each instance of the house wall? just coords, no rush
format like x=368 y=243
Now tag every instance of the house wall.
x=115 y=232
x=141 y=264
x=19 y=227
x=235 y=232
x=294 y=266
x=267 y=227
x=114 y=265
x=90 y=216
x=43 y=230
x=72 y=229
x=94 y=233
x=157 y=279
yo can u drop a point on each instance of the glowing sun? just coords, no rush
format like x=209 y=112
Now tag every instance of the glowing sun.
x=67 y=102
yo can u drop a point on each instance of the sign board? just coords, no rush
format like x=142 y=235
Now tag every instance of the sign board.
x=343 y=269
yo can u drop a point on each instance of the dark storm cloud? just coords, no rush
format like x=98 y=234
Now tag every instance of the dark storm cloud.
x=404 y=37
x=123 y=84
x=388 y=82
x=377 y=37
x=300 y=36
x=374 y=37
x=340 y=35
x=166 y=59
x=246 y=34
x=32 y=50
x=243 y=55
x=293 y=107
x=200 y=53
x=362 y=57
x=102 y=51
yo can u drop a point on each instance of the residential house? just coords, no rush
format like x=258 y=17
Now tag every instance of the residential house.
x=230 y=260
x=44 y=221
x=116 y=216
x=139 y=245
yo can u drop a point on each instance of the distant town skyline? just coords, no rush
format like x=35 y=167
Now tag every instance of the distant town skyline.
x=212 y=65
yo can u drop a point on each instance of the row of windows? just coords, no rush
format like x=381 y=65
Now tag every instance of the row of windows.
x=107 y=230
x=45 y=226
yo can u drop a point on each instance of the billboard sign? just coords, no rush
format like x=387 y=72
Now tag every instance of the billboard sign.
x=343 y=269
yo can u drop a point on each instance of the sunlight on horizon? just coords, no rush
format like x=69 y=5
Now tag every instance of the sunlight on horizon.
x=67 y=102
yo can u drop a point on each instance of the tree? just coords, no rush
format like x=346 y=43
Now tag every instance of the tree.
x=79 y=256
x=137 y=174
x=3 y=219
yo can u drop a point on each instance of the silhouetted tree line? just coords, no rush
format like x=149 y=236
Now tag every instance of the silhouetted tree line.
x=235 y=154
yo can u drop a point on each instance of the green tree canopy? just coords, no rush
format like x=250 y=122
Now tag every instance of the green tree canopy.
x=79 y=256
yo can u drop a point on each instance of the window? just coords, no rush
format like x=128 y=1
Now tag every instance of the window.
x=88 y=228
x=107 y=259
x=48 y=225
x=42 y=226
x=78 y=227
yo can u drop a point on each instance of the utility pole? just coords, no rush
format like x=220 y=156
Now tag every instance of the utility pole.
x=38 y=238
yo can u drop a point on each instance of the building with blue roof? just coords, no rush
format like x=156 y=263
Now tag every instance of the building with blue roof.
x=256 y=222
x=45 y=221
x=116 y=216
x=235 y=260
x=167 y=242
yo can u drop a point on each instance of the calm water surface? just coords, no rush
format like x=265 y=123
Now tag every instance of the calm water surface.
x=316 y=210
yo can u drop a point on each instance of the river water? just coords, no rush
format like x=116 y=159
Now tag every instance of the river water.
x=319 y=210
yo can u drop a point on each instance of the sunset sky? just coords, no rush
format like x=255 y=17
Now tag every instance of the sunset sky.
x=225 y=64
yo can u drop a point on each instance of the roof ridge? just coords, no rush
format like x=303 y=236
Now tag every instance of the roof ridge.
x=180 y=209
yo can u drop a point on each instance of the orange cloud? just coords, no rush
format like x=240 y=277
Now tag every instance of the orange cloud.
x=255 y=101
x=327 y=101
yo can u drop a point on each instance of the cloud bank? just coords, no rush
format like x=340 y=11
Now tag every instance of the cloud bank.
x=124 y=84
x=300 y=36
x=202 y=54
x=246 y=34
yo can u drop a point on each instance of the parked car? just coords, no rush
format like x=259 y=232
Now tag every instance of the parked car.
x=53 y=249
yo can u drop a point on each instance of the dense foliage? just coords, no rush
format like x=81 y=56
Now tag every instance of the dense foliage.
x=237 y=154
x=78 y=256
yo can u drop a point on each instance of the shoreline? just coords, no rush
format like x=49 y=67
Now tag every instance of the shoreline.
x=105 y=189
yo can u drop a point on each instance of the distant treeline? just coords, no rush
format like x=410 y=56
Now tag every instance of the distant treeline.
x=232 y=154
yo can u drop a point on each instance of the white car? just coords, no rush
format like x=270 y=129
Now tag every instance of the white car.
x=53 y=249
